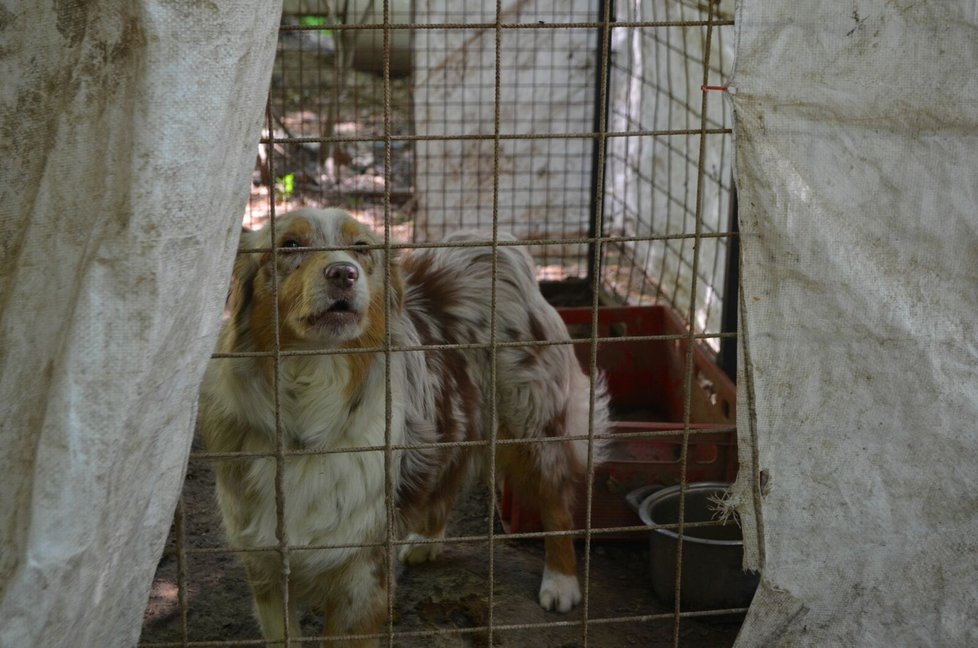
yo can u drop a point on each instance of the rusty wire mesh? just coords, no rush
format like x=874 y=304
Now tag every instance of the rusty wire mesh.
x=336 y=135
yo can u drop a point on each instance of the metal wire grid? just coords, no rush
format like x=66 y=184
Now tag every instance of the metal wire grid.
x=321 y=90
x=548 y=88
x=599 y=245
x=656 y=84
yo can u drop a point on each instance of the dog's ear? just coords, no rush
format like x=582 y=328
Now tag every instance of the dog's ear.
x=241 y=292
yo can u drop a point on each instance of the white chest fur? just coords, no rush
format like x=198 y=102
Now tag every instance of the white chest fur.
x=331 y=498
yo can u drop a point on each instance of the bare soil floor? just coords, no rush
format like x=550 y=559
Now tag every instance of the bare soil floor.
x=446 y=595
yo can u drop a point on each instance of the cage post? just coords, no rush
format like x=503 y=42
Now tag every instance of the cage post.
x=600 y=126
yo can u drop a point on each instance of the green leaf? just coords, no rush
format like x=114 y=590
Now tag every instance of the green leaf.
x=315 y=21
x=312 y=21
x=285 y=186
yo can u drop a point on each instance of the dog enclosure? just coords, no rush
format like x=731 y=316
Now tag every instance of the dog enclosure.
x=598 y=133
x=130 y=131
x=594 y=124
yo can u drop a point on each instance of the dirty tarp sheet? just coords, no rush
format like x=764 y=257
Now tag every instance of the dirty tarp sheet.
x=128 y=134
x=857 y=150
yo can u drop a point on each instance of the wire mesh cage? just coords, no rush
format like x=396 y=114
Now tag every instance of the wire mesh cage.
x=596 y=134
x=327 y=102
x=665 y=187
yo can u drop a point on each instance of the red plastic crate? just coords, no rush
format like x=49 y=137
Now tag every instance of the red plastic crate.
x=645 y=380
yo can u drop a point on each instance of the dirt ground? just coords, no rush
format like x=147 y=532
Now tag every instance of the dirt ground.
x=448 y=594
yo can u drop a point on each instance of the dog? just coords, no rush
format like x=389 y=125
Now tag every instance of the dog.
x=345 y=304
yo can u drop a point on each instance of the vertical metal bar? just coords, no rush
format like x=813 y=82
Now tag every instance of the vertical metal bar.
x=600 y=125
x=594 y=277
x=320 y=157
x=389 y=486
x=691 y=336
x=412 y=123
x=687 y=113
x=493 y=414
x=668 y=247
x=281 y=530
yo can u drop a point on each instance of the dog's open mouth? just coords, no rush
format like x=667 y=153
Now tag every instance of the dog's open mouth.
x=340 y=306
x=340 y=313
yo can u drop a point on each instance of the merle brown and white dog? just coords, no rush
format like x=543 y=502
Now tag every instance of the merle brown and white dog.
x=335 y=300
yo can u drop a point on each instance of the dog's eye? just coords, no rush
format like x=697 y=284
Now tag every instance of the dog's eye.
x=361 y=247
x=290 y=243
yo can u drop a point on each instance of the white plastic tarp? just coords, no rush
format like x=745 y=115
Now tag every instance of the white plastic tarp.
x=857 y=158
x=127 y=136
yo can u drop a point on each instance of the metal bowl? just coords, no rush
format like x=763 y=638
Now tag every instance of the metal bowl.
x=712 y=575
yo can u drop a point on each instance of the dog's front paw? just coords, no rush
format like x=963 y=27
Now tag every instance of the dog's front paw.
x=558 y=591
x=413 y=554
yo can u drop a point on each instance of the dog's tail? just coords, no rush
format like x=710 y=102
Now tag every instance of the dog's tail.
x=582 y=421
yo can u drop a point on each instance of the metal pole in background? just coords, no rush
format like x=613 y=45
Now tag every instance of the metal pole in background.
x=600 y=126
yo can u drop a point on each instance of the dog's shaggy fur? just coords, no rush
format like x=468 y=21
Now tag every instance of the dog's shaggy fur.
x=335 y=300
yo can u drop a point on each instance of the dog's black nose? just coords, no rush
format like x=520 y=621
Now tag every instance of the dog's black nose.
x=342 y=275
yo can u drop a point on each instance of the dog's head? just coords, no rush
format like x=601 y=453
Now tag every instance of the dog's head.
x=326 y=298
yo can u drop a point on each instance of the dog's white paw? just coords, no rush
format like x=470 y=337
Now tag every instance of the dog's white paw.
x=558 y=591
x=413 y=554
